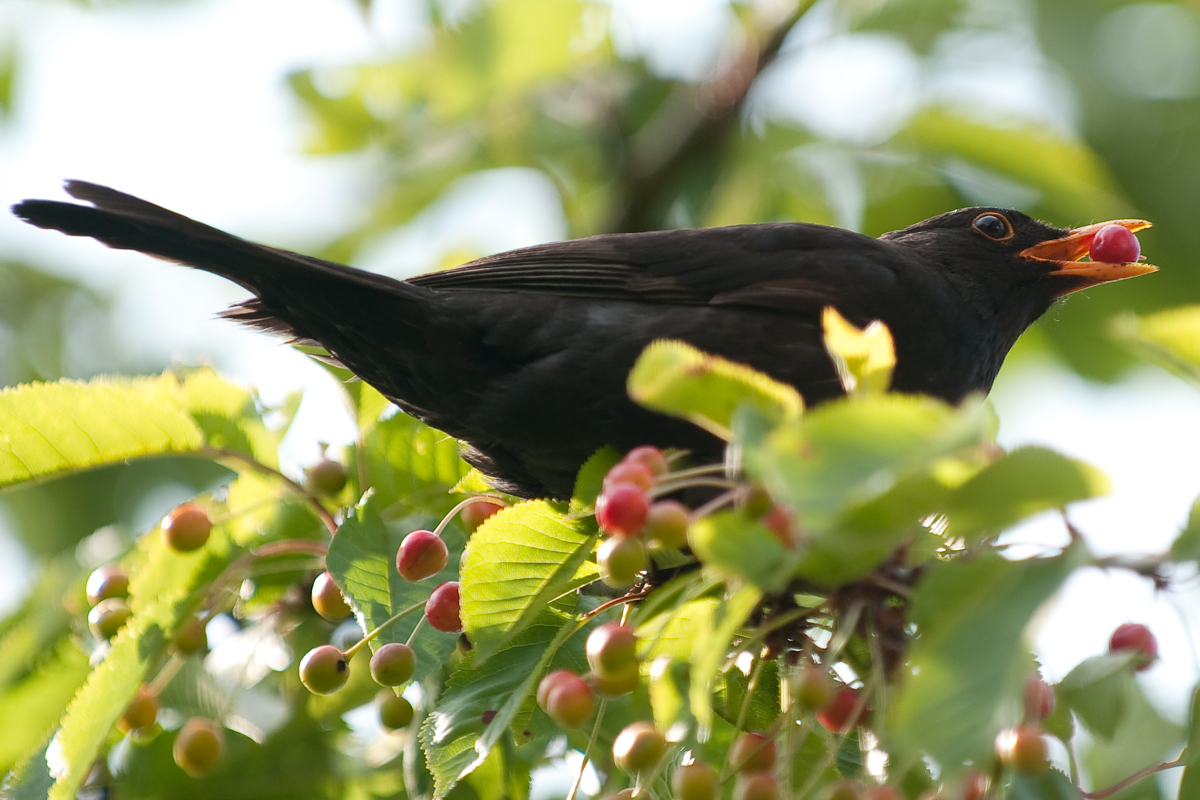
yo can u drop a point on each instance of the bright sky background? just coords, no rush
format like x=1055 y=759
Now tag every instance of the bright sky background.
x=184 y=104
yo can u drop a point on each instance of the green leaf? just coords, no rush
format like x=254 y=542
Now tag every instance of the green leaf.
x=519 y=560
x=1168 y=338
x=452 y=736
x=968 y=657
x=1097 y=690
x=864 y=357
x=407 y=461
x=677 y=379
x=590 y=480
x=161 y=594
x=846 y=453
x=55 y=428
x=1142 y=738
x=734 y=546
x=1049 y=785
x=1189 y=784
x=32 y=706
x=361 y=559
x=1020 y=484
x=1186 y=546
x=710 y=646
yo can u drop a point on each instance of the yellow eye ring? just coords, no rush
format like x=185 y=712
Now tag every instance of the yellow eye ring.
x=994 y=226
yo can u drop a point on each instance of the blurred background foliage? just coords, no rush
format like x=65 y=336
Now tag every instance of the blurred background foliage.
x=1070 y=110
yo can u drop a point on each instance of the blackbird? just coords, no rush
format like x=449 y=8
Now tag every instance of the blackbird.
x=524 y=355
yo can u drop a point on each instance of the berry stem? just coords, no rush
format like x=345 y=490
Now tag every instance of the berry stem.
x=412 y=636
x=361 y=643
x=479 y=498
x=1100 y=794
x=587 y=751
x=250 y=461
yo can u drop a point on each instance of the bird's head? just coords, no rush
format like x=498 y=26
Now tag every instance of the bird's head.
x=1003 y=253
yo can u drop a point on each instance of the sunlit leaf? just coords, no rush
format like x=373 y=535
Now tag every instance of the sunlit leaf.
x=521 y=559
x=677 y=379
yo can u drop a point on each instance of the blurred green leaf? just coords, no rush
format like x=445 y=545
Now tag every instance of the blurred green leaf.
x=845 y=453
x=734 y=546
x=161 y=594
x=1169 y=338
x=1020 y=484
x=1097 y=690
x=969 y=656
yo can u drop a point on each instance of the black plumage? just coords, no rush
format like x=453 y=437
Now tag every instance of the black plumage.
x=524 y=355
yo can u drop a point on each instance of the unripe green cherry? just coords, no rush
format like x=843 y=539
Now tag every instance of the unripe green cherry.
x=811 y=687
x=141 y=712
x=324 y=669
x=696 y=781
x=620 y=560
x=639 y=747
x=108 y=580
x=191 y=636
x=186 y=528
x=395 y=712
x=666 y=525
x=107 y=617
x=328 y=600
x=612 y=651
x=393 y=664
x=199 y=747
x=326 y=477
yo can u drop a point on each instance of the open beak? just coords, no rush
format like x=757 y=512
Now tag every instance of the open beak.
x=1076 y=274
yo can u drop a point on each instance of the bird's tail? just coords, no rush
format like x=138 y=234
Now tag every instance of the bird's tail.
x=286 y=284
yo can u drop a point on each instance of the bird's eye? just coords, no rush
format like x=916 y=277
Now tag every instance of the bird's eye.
x=993 y=226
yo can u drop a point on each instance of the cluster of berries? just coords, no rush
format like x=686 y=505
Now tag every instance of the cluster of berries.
x=421 y=555
x=634 y=523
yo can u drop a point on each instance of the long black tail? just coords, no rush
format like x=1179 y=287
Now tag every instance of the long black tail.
x=290 y=288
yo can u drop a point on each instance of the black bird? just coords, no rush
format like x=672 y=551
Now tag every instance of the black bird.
x=524 y=355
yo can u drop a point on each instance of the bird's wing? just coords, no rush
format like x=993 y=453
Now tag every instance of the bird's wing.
x=777 y=266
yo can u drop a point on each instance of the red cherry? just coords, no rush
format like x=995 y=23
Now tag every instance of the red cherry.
x=756 y=786
x=442 y=608
x=569 y=701
x=621 y=509
x=1115 y=244
x=630 y=472
x=421 y=555
x=651 y=457
x=1132 y=636
x=752 y=752
x=1024 y=749
x=549 y=682
x=1039 y=699
x=473 y=515
x=843 y=712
